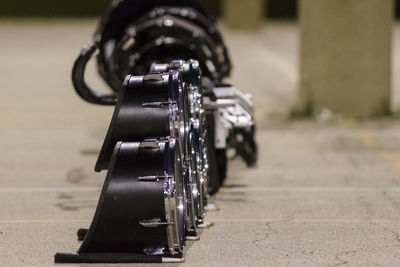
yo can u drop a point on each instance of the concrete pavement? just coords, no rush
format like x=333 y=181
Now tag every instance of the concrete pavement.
x=323 y=194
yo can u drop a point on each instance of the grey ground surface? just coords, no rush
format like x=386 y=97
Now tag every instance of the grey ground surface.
x=322 y=194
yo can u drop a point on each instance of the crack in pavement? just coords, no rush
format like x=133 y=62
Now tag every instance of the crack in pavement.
x=265 y=235
x=370 y=213
x=341 y=260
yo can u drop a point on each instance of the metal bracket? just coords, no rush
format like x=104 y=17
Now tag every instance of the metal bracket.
x=154 y=223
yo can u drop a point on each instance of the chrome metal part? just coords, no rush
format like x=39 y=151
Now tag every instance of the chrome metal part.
x=174 y=200
x=232 y=110
x=153 y=143
x=154 y=223
x=154 y=178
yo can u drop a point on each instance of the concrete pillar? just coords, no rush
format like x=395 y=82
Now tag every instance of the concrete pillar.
x=345 y=56
x=243 y=14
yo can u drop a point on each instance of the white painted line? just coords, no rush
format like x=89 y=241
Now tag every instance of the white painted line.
x=309 y=189
x=277 y=189
x=272 y=220
x=44 y=221
x=48 y=189
x=227 y=220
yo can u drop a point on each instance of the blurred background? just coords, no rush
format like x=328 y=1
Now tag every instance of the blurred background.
x=325 y=80
x=273 y=9
x=267 y=38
